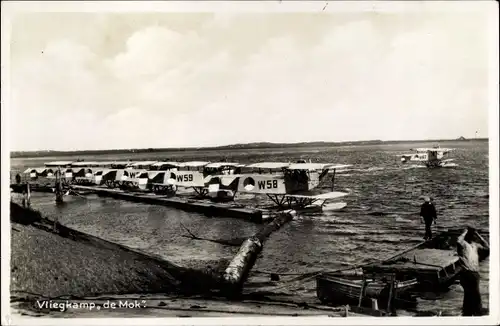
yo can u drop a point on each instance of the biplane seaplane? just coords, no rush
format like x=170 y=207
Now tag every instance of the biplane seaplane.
x=433 y=157
x=162 y=177
x=90 y=173
x=196 y=174
x=288 y=185
x=127 y=175
x=48 y=171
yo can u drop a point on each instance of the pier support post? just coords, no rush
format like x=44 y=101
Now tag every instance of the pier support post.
x=363 y=289
x=58 y=187
x=333 y=179
x=28 y=194
x=392 y=288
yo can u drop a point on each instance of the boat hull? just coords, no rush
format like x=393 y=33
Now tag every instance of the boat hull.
x=342 y=289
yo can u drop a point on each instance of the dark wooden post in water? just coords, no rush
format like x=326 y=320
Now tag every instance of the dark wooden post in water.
x=28 y=194
x=58 y=186
x=239 y=268
x=392 y=292
x=364 y=284
x=333 y=179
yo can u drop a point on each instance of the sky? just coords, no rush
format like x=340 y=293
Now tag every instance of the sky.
x=156 y=80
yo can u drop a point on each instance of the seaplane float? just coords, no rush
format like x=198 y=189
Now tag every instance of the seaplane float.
x=433 y=157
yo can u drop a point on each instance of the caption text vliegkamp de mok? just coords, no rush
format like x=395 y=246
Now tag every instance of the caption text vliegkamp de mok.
x=67 y=305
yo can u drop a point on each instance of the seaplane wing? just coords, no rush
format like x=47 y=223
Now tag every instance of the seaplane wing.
x=83 y=164
x=141 y=164
x=165 y=165
x=123 y=164
x=58 y=163
x=316 y=166
x=268 y=165
x=218 y=165
x=431 y=149
x=194 y=164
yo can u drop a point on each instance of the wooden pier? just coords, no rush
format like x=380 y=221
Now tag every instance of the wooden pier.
x=191 y=205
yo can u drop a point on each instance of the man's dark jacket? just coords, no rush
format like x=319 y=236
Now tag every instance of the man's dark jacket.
x=428 y=212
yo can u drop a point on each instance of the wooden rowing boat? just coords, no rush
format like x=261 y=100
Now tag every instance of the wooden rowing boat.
x=434 y=263
x=431 y=266
x=345 y=288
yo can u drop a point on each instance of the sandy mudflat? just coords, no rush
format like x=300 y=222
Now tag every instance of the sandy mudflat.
x=64 y=262
x=69 y=267
x=47 y=264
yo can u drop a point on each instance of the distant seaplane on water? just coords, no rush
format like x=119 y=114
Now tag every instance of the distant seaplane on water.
x=432 y=157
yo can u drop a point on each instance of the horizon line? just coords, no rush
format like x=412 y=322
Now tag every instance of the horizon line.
x=244 y=144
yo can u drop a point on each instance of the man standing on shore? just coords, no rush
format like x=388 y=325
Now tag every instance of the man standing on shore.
x=468 y=250
x=428 y=215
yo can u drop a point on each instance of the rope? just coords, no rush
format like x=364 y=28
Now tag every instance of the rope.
x=307 y=276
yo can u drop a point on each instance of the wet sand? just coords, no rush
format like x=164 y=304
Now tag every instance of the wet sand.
x=50 y=268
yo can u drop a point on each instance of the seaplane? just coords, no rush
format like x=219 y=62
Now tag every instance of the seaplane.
x=196 y=174
x=35 y=173
x=47 y=171
x=122 y=175
x=288 y=185
x=86 y=173
x=162 y=177
x=432 y=157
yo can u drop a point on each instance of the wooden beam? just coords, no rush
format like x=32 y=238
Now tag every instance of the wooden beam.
x=239 y=268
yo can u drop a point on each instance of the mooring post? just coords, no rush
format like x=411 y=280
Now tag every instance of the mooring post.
x=28 y=196
x=333 y=179
x=58 y=188
x=392 y=289
x=363 y=288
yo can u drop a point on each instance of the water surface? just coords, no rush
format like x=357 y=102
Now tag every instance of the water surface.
x=380 y=219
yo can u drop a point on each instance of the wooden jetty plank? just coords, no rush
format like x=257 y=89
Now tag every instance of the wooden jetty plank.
x=207 y=208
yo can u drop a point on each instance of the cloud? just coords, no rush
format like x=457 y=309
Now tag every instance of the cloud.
x=243 y=78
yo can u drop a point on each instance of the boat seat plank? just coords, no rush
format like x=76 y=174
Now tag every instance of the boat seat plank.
x=420 y=259
x=436 y=257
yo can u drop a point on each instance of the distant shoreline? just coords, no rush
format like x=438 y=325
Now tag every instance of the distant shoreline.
x=257 y=145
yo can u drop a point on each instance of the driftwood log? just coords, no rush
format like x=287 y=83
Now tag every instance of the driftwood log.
x=235 y=242
x=240 y=266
